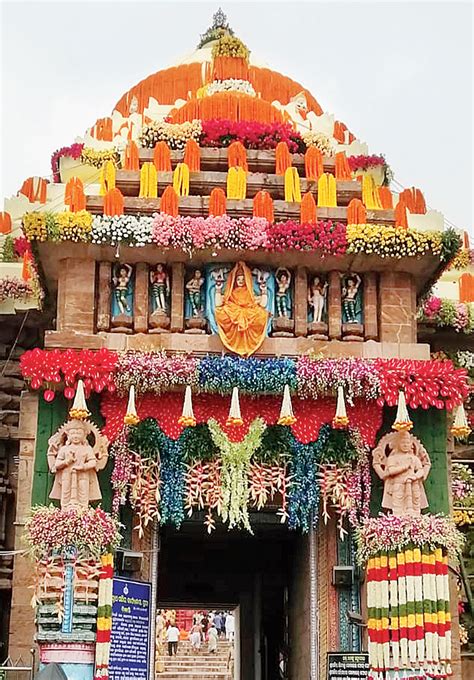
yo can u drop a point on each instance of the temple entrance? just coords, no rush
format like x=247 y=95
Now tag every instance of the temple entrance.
x=250 y=576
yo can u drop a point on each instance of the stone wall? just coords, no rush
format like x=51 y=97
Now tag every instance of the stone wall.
x=299 y=613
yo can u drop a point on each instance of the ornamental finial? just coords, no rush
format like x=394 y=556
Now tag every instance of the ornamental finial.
x=219 y=28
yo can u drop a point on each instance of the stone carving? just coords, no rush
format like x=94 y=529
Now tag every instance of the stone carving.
x=351 y=298
x=122 y=280
x=160 y=289
x=283 y=293
x=403 y=463
x=194 y=291
x=240 y=315
x=75 y=463
x=317 y=293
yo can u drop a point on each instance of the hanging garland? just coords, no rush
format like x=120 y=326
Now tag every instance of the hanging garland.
x=235 y=458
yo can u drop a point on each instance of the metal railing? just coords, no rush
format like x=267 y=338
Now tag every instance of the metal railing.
x=18 y=670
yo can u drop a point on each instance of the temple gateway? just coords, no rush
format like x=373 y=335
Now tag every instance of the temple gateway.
x=216 y=406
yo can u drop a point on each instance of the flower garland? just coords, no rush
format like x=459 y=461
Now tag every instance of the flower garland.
x=317 y=377
x=219 y=375
x=61 y=226
x=395 y=242
x=128 y=229
x=98 y=158
x=219 y=133
x=456 y=315
x=13 y=288
x=320 y=141
x=392 y=533
x=73 y=151
x=50 y=530
x=155 y=372
x=425 y=383
x=235 y=457
x=462 y=487
x=174 y=134
x=104 y=617
x=365 y=162
x=51 y=369
x=329 y=238
x=229 y=85
x=230 y=46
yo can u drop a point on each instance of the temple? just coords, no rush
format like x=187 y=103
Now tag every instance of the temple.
x=236 y=370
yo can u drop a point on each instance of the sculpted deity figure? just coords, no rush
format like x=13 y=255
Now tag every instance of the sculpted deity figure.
x=194 y=292
x=403 y=464
x=75 y=464
x=351 y=298
x=317 y=291
x=160 y=288
x=240 y=315
x=283 y=300
x=122 y=284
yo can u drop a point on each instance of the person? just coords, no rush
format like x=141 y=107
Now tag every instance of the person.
x=204 y=624
x=218 y=623
x=172 y=636
x=160 y=623
x=223 y=618
x=160 y=288
x=241 y=319
x=212 y=639
x=195 y=636
x=230 y=627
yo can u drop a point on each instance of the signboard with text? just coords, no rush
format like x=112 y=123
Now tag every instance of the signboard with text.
x=348 y=666
x=130 y=640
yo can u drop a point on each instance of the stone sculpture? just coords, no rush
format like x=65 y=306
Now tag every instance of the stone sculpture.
x=403 y=463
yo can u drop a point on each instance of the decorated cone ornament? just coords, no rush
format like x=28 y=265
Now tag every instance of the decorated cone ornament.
x=460 y=427
x=340 y=420
x=287 y=416
x=131 y=417
x=79 y=410
x=402 y=421
x=187 y=418
x=235 y=417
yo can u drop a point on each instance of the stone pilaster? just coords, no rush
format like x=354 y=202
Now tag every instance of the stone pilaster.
x=334 y=306
x=370 y=306
x=301 y=302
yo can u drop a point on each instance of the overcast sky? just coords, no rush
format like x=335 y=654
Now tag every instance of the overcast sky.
x=398 y=74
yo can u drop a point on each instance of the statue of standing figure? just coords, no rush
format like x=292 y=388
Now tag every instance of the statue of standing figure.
x=122 y=280
x=75 y=464
x=403 y=464
x=283 y=293
x=160 y=289
x=317 y=292
x=351 y=299
x=194 y=292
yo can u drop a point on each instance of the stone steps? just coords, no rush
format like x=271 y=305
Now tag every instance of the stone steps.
x=190 y=664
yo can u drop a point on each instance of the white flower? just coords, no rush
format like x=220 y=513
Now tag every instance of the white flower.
x=231 y=85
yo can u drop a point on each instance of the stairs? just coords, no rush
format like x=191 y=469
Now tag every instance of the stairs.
x=191 y=665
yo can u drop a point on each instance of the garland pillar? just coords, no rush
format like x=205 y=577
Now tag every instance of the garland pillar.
x=334 y=306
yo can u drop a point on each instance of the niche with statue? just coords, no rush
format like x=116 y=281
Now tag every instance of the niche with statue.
x=352 y=307
x=318 y=305
x=123 y=286
x=159 y=298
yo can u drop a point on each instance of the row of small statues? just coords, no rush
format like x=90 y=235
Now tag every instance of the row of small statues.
x=399 y=459
x=160 y=292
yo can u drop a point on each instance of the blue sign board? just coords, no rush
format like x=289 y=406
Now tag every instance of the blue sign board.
x=130 y=641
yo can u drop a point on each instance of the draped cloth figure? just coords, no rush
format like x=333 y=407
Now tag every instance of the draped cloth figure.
x=240 y=315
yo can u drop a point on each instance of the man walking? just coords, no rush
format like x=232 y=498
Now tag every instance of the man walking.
x=172 y=636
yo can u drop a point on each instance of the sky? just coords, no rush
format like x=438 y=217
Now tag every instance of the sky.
x=399 y=74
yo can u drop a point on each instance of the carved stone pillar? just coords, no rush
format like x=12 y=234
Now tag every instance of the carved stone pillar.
x=334 y=306
x=76 y=295
x=103 y=296
x=177 y=298
x=140 y=302
x=301 y=302
x=370 y=306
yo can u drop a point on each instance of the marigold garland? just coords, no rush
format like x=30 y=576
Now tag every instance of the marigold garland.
x=148 y=181
x=236 y=183
x=217 y=202
x=292 y=186
x=308 y=211
x=169 y=203
x=313 y=163
x=263 y=205
x=327 y=192
x=131 y=159
x=181 y=179
x=192 y=156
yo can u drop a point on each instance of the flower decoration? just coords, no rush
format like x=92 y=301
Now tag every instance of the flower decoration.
x=402 y=420
x=392 y=532
x=174 y=134
x=340 y=420
x=230 y=46
x=99 y=158
x=220 y=375
x=50 y=530
x=460 y=428
x=13 y=288
x=449 y=313
x=320 y=141
x=253 y=135
x=131 y=417
x=187 y=418
x=155 y=372
x=73 y=151
x=234 y=418
x=230 y=85
x=79 y=410
x=287 y=416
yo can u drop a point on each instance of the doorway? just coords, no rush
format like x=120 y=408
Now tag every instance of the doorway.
x=234 y=570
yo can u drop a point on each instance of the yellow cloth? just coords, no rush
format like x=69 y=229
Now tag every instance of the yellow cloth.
x=241 y=321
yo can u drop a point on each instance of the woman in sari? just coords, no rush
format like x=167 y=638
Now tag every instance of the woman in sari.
x=241 y=317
